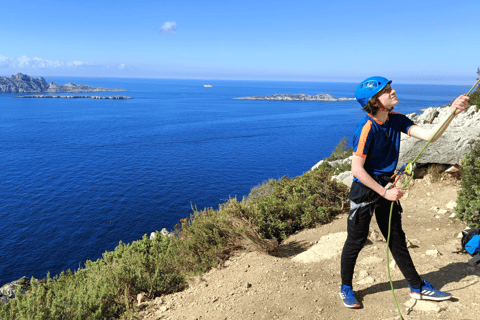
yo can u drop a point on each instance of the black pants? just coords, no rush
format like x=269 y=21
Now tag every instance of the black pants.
x=364 y=202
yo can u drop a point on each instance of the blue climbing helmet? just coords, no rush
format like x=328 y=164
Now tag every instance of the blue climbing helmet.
x=370 y=87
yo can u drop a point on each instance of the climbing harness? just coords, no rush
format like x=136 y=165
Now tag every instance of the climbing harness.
x=408 y=168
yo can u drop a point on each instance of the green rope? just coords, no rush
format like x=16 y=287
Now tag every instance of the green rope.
x=411 y=177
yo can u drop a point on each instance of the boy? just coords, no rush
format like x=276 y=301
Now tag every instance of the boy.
x=376 y=147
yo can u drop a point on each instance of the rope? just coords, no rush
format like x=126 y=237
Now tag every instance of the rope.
x=410 y=167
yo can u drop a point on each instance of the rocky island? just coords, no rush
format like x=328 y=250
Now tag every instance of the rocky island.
x=45 y=96
x=297 y=97
x=22 y=83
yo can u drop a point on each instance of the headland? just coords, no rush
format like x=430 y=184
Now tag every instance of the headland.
x=22 y=83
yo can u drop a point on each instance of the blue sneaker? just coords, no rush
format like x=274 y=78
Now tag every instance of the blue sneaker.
x=348 y=297
x=428 y=292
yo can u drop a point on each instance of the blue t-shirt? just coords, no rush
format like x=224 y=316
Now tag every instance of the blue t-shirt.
x=379 y=142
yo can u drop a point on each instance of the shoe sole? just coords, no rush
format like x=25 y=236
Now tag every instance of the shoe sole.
x=355 y=306
x=351 y=306
x=419 y=296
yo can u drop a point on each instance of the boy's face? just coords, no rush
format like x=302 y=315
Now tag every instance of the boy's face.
x=387 y=97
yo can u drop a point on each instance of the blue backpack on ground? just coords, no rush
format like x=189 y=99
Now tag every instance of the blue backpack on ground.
x=471 y=241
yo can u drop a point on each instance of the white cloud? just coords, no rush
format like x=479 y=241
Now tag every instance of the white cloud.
x=169 y=27
x=4 y=61
x=26 y=63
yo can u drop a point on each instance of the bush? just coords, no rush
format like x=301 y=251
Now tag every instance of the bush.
x=264 y=189
x=468 y=201
x=104 y=289
x=297 y=203
x=475 y=98
x=341 y=152
x=209 y=236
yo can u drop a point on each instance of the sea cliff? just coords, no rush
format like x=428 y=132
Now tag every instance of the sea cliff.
x=22 y=83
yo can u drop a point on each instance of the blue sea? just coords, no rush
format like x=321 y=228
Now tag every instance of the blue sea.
x=79 y=175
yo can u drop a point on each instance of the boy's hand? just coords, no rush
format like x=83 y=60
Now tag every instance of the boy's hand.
x=461 y=104
x=394 y=194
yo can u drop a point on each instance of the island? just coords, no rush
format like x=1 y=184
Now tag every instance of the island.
x=297 y=97
x=22 y=83
x=74 y=97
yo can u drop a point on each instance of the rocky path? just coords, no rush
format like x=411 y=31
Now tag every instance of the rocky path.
x=302 y=279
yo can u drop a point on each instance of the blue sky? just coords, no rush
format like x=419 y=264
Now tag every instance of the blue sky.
x=302 y=40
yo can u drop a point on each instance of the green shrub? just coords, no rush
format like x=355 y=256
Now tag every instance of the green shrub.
x=104 y=289
x=297 y=203
x=341 y=152
x=264 y=189
x=207 y=238
x=468 y=201
x=475 y=98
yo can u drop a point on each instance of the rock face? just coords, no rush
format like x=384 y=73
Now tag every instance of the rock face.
x=296 y=97
x=10 y=290
x=452 y=146
x=22 y=83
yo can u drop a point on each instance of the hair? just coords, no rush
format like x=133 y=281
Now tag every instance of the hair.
x=371 y=106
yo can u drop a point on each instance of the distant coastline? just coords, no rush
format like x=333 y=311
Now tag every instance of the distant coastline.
x=22 y=83
x=296 y=97
x=43 y=96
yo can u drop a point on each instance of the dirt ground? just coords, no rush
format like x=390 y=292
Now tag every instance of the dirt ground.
x=301 y=279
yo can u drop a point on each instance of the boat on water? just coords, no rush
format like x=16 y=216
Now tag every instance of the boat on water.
x=207 y=85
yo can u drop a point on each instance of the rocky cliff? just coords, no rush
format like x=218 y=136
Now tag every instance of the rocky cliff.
x=22 y=83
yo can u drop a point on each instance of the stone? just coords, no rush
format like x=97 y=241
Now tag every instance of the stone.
x=425 y=306
x=10 y=290
x=433 y=253
x=367 y=280
x=141 y=297
x=328 y=247
x=345 y=178
x=393 y=264
x=375 y=236
x=452 y=169
x=451 y=205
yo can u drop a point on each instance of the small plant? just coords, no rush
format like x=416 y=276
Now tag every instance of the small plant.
x=468 y=201
x=341 y=152
x=435 y=171
x=475 y=96
x=264 y=189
